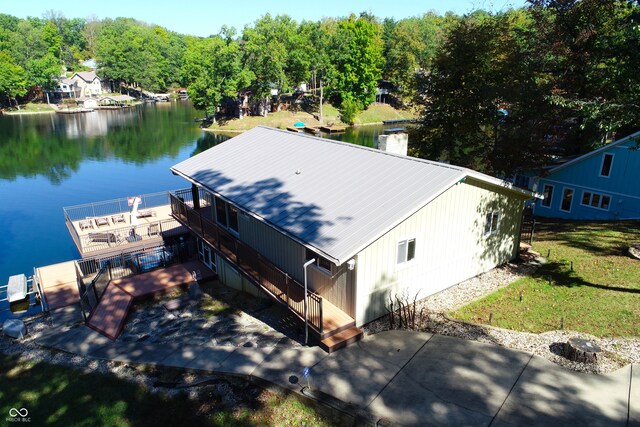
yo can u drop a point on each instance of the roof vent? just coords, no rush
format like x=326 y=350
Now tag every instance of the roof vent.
x=298 y=171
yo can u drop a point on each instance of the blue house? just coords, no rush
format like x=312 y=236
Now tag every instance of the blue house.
x=601 y=185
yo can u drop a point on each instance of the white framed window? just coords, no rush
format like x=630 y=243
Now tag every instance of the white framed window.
x=491 y=223
x=406 y=251
x=605 y=166
x=547 y=193
x=595 y=200
x=567 y=199
x=322 y=263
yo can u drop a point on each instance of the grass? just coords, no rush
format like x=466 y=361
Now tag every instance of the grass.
x=56 y=395
x=376 y=113
x=212 y=307
x=32 y=107
x=600 y=296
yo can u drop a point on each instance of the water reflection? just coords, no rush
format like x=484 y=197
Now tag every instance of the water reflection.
x=55 y=145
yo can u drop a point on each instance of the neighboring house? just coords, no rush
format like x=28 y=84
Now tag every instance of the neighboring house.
x=89 y=83
x=601 y=185
x=379 y=225
x=66 y=89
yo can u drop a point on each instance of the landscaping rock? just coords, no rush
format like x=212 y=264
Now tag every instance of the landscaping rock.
x=14 y=328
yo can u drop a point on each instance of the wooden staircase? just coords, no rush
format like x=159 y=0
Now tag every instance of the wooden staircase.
x=338 y=328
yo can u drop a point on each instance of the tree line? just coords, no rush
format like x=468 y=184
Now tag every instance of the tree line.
x=494 y=91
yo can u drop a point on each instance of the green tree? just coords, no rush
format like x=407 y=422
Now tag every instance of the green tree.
x=356 y=64
x=588 y=51
x=481 y=71
x=213 y=70
x=272 y=53
x=410 y=46
x=13 y=79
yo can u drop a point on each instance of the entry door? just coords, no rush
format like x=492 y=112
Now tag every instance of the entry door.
x=206 y=255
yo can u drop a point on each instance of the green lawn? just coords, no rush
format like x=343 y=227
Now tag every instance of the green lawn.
x=57 y=395
x=32 y=107
x=601 y=296
x=376 y=113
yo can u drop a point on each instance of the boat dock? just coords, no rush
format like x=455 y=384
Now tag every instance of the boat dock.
x=333 y=129
x=398 y=121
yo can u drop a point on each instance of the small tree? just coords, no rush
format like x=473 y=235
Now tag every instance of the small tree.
x=13 y=78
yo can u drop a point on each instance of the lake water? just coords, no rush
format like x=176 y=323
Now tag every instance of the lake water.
x=50 y=161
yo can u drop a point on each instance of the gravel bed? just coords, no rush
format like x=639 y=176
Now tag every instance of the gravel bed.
x=616 y=352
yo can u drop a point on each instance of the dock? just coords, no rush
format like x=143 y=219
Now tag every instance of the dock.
x=294 y=129
x=59 y=283
x=333 y=129
x=398 y=121
x=75 y=111
x=312 y=130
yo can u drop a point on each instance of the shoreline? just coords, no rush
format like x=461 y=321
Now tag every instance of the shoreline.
x=238 y=131
x=26 y=113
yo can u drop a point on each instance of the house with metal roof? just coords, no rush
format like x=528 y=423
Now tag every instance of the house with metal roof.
x=600 y=185
x=334 y=230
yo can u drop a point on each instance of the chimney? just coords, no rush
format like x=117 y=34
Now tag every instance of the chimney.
x=394 y=141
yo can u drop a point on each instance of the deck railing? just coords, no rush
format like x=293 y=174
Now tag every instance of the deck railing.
x=253 y=265
x=112 y=207
x=101 y=240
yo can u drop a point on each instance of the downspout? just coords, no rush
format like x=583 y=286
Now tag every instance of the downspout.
x=306 y=320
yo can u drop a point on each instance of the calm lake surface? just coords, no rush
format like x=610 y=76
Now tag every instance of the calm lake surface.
x=50 y=161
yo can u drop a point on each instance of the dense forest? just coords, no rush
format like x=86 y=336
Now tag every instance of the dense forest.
x=494 y=90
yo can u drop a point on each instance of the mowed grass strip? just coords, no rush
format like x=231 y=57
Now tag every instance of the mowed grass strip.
x=600 y=296
x=59 y=395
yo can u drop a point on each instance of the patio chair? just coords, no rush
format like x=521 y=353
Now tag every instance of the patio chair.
x=145 y=213
x=153 y=230
x=119 y=218
x=85 y=224
x=100 y=221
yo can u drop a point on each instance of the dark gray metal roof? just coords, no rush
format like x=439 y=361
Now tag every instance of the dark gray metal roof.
x=334 y=197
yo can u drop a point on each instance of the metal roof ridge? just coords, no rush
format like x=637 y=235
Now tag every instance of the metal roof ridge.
x=370 y=149
x=467 y=171
x=596 y=151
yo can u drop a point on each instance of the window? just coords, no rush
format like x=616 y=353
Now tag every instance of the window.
x=321 y=262
x=221 y=212
x=567 y=198
x=226 y=215
x=233 y=217
x=548 y=195
x=406 y=250
x=607 y=161
x=491 y=222
x=595 y=200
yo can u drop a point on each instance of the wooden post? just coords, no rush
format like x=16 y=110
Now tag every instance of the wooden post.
x=195 y=195
x=286 y=287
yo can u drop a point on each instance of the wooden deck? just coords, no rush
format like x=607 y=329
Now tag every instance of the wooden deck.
x=110 y=315
x=59 y=284
x=112 y=234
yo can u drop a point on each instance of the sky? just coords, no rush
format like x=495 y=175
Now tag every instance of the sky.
x=206 y=17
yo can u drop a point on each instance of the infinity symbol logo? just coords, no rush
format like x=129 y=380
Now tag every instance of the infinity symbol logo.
x=13 y=412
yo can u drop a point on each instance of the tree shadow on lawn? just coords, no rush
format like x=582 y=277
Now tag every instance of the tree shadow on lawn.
x=590 y=236
x=558 y=275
